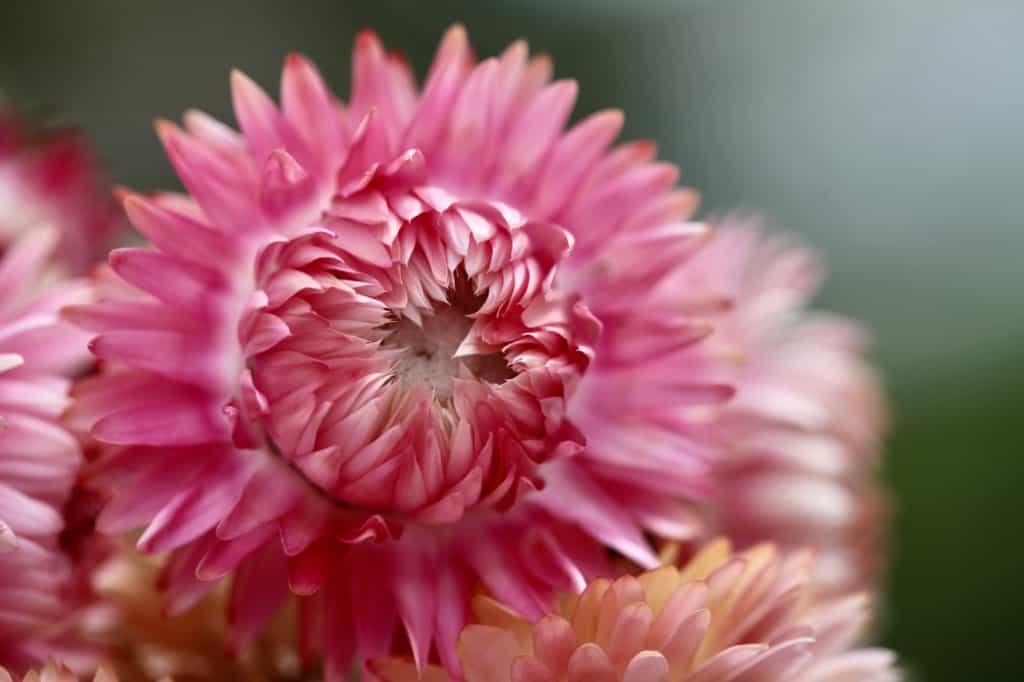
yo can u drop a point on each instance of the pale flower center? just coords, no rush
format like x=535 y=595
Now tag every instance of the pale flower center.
x=427 y=353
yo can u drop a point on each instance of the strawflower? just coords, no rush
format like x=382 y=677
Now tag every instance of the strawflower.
x=803 y=435
x=44 y=564
x=749 y=617
x=385 y=349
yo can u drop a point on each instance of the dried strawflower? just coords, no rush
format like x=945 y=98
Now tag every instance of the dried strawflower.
x=43 y=565
x=389 y=348
x=749 y=617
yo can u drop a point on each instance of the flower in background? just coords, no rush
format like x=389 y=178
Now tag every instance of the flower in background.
x=52 y=178
x=373 y=352
x=724 y=616
x=804 y=431
x=142 y=642
x=44 y=565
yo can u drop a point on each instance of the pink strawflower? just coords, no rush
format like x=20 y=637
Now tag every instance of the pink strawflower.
x=804 y=431
x=352 y=355
x=750 y=617
x=42 y=581
x=51 y=177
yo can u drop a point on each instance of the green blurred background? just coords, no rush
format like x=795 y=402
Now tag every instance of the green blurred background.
x=888 y=133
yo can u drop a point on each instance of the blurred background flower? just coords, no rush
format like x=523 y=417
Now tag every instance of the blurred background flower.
x=722 y=616
x=50 y=177
x=886 y=134
x=47 y=555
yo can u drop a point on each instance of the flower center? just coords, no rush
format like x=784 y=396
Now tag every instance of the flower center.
x=427 y=354
x=428 y=350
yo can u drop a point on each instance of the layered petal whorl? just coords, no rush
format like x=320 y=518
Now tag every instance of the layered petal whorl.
x=43 y=571
x=804 y=432
x=749 y=616
x=418 y=362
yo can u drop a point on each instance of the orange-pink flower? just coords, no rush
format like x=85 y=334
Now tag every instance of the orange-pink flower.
x=749 y=617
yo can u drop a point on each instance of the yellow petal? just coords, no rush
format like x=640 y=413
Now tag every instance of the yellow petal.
x=707 y=560
x=584 y=618
x=659 y=585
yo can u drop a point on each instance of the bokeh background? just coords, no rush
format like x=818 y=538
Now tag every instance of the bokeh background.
x=889 y=133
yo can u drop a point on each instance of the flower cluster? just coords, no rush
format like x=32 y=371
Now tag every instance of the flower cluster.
x=429 y=375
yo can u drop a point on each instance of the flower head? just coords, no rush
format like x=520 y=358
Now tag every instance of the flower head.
x=43 y=570
x=804 y=431
x=50 y=177
x=749 y=616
